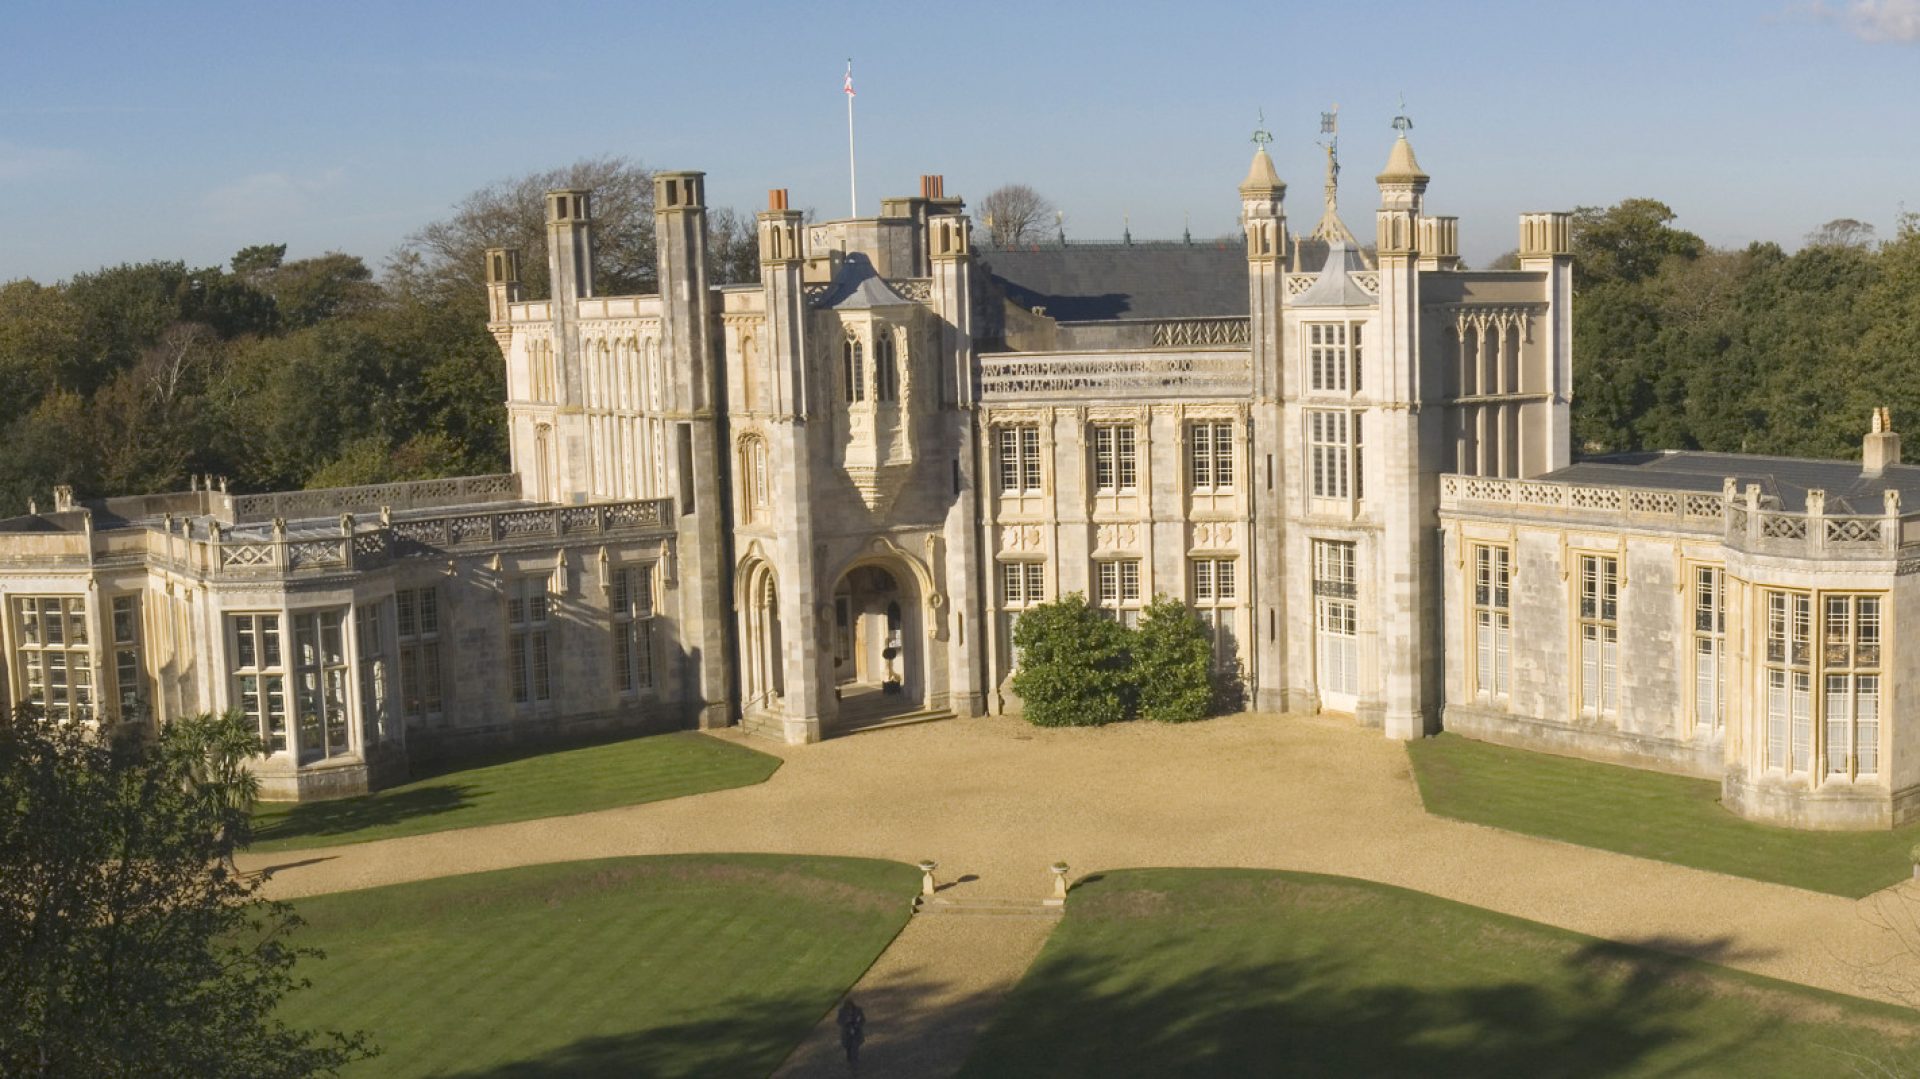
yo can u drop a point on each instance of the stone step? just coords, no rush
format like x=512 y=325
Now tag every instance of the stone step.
x=906 y=719
x=991 y=907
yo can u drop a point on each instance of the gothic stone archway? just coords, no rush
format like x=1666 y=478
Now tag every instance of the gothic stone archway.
x=763 y=676
x=879 y=643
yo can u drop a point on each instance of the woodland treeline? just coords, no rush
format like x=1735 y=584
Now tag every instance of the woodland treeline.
x=312 y=372
x=1678 y=345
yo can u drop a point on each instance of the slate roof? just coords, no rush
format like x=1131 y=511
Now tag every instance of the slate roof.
x=858 y=287
x=1335 y=286
x=1849 y=491
x=1098 y=282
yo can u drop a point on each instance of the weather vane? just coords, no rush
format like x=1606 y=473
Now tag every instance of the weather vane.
x=1330 y=121
x=1403 y=123
x=1261 y=136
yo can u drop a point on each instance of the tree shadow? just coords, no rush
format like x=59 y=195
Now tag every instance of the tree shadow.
x=1616 y=1007
x=750 y=1036
x=1620 y=1007
x=428 y=757
x=266 y=872
x=341 y=816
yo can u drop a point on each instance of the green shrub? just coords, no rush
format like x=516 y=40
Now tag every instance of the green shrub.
x=1172 y=664
x=1075 y=665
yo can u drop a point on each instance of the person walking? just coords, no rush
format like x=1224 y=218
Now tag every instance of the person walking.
x=853 y=1031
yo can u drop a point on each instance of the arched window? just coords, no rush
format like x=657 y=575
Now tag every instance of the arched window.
x=543 y=462
x=886 y=371
x=656 y=377
x=854 y=367
x=753 y=468
x=749 y=373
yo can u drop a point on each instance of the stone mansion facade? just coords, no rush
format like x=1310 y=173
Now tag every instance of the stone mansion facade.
x=820 y=501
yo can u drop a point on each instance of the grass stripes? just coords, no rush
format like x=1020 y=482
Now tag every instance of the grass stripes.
x=527 y=787
x=658 y=966
x=1649 y=814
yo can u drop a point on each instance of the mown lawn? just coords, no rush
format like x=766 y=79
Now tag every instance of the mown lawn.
x=525 y=787
x=1228 y=972
x=1649 y=814
x=657 y=966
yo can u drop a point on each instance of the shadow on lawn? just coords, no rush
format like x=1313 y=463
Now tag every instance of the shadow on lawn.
x=752 y=1036
x=367 y=811
x=1615 y=1005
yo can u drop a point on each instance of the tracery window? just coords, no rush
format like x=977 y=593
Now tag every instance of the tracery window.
x=1493 y=619
x=1334 y=454
x=632 y=603
x=1210 y=455
x=1850 y=663
x=259 y=675
x=1019 y=450
x=320 y=683
x=1336 y=604
x=1333 y=357
x=418 y=616
x=853 y=367
x=129 y=677
x=1117 y=589
x=1022 y=585
x=1599 y=636
x=755 y=480
x=528 y=660
x=1709 y=649
x=1115 y=467
x=1789 y=666
x=1214 y=595
x=886 y=367
x=375 y=672
x=55 y=656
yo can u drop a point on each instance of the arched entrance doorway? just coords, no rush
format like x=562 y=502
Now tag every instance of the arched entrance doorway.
x=879 y=644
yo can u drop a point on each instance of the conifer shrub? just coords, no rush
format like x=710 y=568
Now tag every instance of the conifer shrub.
x=1172 y=664
x=1075 y=668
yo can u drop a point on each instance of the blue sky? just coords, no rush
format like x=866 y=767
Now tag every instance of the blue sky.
x=132 y=131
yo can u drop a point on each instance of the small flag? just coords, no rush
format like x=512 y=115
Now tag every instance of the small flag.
x=849 y=85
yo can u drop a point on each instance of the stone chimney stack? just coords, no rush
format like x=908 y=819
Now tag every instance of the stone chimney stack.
x=1882 y=447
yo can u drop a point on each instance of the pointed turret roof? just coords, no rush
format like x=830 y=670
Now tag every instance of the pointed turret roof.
x=1401 y=167
x=1262 y=180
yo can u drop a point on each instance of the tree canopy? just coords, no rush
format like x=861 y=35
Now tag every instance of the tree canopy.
x=1015 y=214
x=284 y=373
x=128 y=946
x=1678 y=345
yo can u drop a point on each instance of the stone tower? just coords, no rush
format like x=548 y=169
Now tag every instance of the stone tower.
x=951 y=265
x=1263 y=215
x=804 y=665
x=1546 y=246
x=1407 y=600
x=693 y=412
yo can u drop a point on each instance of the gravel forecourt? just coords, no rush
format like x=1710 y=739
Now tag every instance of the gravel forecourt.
x=998 y=800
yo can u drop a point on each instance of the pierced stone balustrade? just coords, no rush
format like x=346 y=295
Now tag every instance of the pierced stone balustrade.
x=1740 y=525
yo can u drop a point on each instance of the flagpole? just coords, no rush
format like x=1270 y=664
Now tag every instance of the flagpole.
x=853 y=183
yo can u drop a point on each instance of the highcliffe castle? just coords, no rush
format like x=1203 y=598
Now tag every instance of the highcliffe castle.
x=819 y=503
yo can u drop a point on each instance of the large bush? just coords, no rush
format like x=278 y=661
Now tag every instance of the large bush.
x=1172 y=664
x=1075 y=667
